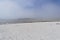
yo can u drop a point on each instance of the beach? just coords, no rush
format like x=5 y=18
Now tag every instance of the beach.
x=30 y=31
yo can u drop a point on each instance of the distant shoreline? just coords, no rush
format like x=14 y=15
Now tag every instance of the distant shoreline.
x=26 y=20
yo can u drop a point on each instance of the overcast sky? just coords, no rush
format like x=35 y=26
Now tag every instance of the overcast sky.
x=12 y=9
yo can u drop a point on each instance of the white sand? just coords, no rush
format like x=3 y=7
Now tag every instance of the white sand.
x=30 y=31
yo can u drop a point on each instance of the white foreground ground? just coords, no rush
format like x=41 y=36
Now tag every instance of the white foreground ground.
x=30 y=31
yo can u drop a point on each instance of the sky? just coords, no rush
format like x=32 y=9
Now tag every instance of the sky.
x=13 y=9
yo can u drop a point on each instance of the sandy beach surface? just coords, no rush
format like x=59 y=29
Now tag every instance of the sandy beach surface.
x=30 y=31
